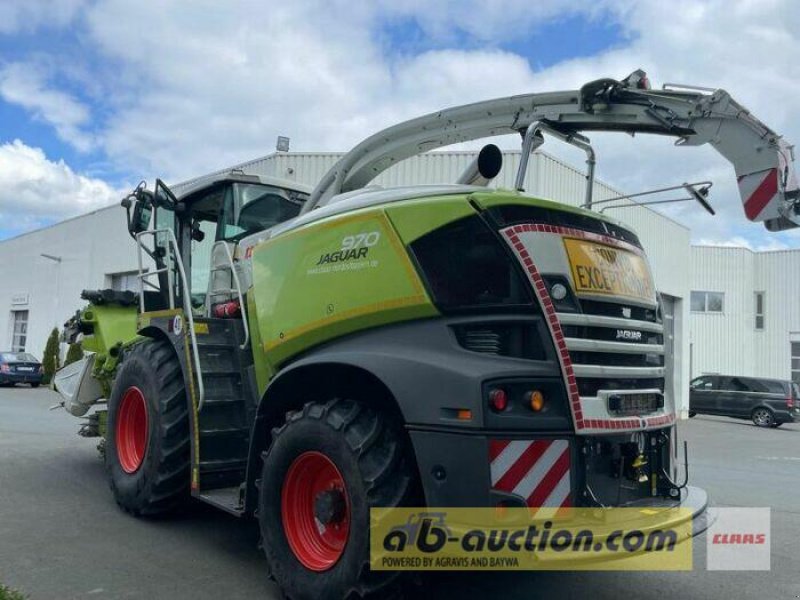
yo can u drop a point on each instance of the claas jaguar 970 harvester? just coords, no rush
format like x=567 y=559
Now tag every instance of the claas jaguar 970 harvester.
x=302 y=355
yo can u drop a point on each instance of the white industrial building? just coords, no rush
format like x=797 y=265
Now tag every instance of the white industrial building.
x=745 y=312
x=44 y=271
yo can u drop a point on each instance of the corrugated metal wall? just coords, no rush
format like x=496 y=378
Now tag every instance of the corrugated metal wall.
x=724 y=342
x=778 y=276
x=729 y=343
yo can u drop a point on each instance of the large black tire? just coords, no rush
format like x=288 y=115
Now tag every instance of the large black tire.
x=161 y=481
x=373 y=459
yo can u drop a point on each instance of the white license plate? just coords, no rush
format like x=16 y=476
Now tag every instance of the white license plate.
x=27 y=369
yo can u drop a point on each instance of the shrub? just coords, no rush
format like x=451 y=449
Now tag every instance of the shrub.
x=50 y=358
x=6 y=593
x=74 y=354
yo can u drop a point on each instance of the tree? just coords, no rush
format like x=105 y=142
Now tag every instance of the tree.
x=74 y=354
x=50 y=358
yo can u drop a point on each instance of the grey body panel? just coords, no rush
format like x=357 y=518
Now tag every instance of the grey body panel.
x=446 y=377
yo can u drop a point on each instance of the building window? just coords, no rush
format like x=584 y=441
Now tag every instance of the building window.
x=19 y=330
x=710 y=302
x=760 y=311
x=795 y=361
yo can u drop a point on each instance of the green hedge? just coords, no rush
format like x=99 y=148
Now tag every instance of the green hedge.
x=6 y=593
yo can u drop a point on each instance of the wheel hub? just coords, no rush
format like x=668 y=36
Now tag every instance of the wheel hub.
x=315 y=511
x=132 y=430
x=330 y=506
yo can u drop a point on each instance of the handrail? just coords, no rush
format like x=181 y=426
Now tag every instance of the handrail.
x=187 y=297
x=235 y=277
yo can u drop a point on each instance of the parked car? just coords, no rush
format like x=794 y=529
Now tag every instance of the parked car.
x=20 y=367
x=767 y=402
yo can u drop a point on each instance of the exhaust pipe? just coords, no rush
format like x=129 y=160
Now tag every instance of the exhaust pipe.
x=484 y=168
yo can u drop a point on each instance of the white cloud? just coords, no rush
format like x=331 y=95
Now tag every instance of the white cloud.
x=29 y=15
x=25 y=84
x=35 y=190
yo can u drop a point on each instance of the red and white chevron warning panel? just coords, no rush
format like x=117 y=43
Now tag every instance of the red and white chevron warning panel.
x=537 y=470
x=757 y=191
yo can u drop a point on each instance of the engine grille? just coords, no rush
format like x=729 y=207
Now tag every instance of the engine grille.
x=614 y=346
x=518 y=340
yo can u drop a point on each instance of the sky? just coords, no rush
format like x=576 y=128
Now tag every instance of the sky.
x=96 y=95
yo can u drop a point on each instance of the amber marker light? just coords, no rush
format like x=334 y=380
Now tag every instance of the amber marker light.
x=535 y=400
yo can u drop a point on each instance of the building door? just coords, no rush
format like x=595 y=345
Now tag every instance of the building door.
x=19 y=330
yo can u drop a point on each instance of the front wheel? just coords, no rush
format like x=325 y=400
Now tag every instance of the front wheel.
x=147 y=444
x=763 y=417
x=327 y=466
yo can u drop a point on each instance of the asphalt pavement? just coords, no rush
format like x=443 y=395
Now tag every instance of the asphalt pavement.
x=63 y=537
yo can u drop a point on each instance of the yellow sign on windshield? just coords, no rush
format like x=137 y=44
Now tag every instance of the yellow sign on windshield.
x=600 y=269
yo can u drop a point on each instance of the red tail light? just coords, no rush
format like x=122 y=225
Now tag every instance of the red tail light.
x=41 y=369
x=4 y=368
x=789 y=402
x=498 y=400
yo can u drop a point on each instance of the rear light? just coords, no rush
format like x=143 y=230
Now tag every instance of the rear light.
x=4 y=368
x=535 y=400
x=41 y=369
x=498 y=400
x=789 y=402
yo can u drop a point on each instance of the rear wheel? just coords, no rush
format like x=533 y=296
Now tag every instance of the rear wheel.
x=763 y=417
x=147 y=446
x=327 y=466
x=34 y=385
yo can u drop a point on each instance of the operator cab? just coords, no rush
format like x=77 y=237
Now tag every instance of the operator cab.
x=225 y=212
x=208 y=219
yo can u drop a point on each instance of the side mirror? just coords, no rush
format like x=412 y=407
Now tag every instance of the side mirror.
x=142 y=203
x=142 y=214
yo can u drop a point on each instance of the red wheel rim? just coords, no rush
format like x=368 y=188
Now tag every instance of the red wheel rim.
x=315 y=511
x=132 y=429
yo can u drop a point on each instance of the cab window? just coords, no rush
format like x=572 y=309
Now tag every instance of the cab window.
x=252 y=207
